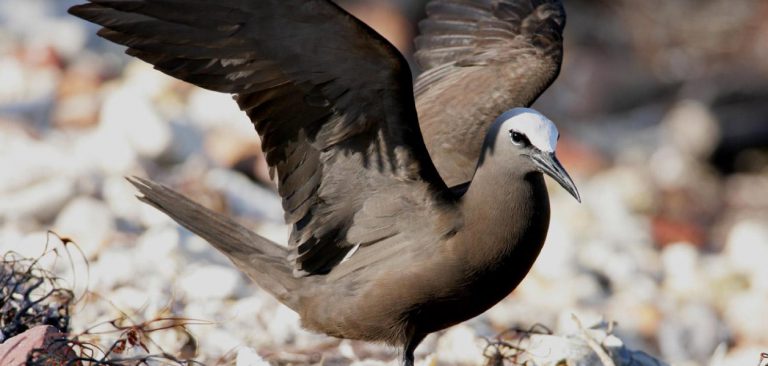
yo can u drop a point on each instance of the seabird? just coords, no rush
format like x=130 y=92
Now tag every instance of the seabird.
x=381 y=249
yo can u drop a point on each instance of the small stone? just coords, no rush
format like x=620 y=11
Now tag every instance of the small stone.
x=158 y=250
x=745 y=314
x=430 y=360
x=557 y=258
x=254 y=313
x=12 y=81
x=120 y=195
x=226 y=147
x=747 y=246
x=205 y=282
x=40 y=200
x=115 y=267
x=78 y=101
x=128 y=114
x=219 y=341
x=186 y=141
x=106 y=152
x=131 y=299
x=276 y=232
x=88 y=222
x=346 y=349
x=460 y=345
x=284 y=325
x=374 y=363
x=28 y=245
x=612 y=341
x=246 y=198
x=211 y=110
x=77 y=111
x=740 y=355
x=681 y=262
x=14 y=351
x=690 y=332
x=149 y=216
x=636 y=315
x=247 y=356
x=691 y=128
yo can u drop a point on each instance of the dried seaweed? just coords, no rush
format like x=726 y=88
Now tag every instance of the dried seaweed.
x=31 y=295
x=129 y=339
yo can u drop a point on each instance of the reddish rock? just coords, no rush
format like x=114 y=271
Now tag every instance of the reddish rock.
x=14 y=351
x=668 y=230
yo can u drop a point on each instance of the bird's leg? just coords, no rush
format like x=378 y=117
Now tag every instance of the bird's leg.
x=410 y=345
x=408 y=358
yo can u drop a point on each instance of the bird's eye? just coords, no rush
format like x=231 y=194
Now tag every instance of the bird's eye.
x=518 y=138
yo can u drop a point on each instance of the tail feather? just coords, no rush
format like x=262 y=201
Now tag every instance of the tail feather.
x=261 y=259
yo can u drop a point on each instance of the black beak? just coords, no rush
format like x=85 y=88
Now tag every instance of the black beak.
x=548 y=163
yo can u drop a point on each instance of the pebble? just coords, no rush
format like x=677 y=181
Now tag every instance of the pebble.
x=692 y=331
x=39 y=201
x=558 y=256
x=133 y=300
x=28 y=245
x=104 y=152
x=159 y=248
x=128 y=115
x=186 y=141
x=460 y=345
x=14 y=351
x=283 y=325
x=115 y=267
x=87 y=221
x=746 y=249
x=681 y=268
x=218 y=340
x=211 y=110
x=29 y=160
x=207 y=282
x=749 y=354
x=120 y=195
x=378 y=363
x=745 y=313
x=246 y=198
x=692 y=128
x=248 y=357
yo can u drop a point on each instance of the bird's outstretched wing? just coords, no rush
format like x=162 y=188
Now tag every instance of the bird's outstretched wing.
x=480 y=58
x=331 y=99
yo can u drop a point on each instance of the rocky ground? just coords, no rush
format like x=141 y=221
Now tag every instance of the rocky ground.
x=668 y=150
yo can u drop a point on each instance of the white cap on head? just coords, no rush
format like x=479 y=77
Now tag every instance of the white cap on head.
x=541 y=132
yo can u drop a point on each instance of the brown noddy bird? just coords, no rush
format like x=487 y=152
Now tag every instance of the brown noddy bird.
x=381 y=248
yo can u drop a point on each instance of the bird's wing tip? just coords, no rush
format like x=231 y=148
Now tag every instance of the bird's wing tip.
x=82 y=10
x=142 y=184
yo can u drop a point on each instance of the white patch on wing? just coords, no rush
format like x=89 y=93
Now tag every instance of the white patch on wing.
x=350 y=253
x=539 y=129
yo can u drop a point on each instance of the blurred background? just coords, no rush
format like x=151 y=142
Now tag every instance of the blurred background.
x=663 y=110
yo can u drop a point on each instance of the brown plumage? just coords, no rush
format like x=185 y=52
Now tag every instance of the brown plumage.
x=381 y=249
x=480 y=58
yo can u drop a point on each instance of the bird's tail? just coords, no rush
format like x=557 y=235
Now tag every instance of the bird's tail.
x=261 y=259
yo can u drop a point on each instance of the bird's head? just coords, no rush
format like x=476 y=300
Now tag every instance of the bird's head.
x=529 y=135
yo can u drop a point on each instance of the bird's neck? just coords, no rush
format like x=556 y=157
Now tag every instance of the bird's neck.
x=506 y=217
